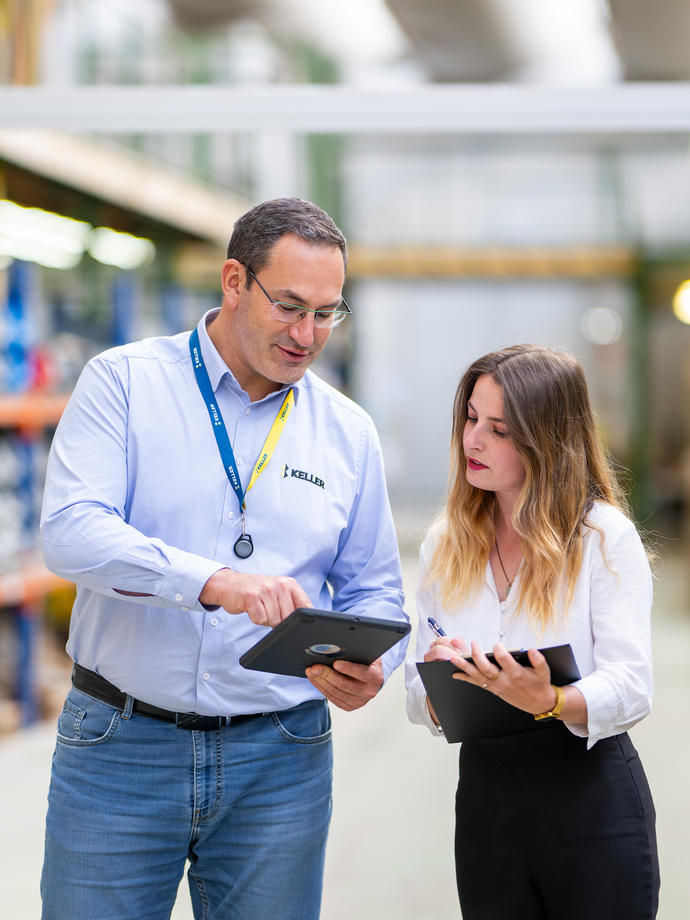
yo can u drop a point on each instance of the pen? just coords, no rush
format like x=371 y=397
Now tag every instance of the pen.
x=435 y=628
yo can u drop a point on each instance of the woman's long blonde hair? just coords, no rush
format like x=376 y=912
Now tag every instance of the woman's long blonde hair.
x=547 y=413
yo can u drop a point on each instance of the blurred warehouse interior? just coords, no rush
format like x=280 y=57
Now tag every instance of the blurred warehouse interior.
x=461 y=241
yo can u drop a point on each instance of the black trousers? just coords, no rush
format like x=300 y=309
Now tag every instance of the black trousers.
x=547 y=830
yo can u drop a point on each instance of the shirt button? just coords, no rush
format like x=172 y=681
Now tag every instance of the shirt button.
x=231 y=515
x=247 y=411
x=178 y=597
x=206 y=675
x=214 y=621
x=185 y=608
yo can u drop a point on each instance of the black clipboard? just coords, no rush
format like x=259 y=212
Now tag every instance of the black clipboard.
x=467 y=712
x=308 y=636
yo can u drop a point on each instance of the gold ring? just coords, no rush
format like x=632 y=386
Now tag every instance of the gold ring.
x=494 y=676
x=485 y=686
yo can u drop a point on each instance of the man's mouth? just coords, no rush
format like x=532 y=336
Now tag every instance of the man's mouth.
x=293 y=355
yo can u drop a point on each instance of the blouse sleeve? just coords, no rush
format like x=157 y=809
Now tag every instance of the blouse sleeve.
x=417 y=709
x=619 y=690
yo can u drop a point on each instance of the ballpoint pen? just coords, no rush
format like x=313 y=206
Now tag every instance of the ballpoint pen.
x=435 y=628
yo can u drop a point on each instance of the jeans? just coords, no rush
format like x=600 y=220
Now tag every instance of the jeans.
x=132 y=798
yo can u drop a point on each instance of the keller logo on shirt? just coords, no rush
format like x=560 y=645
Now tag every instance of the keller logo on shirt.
x=289 y=472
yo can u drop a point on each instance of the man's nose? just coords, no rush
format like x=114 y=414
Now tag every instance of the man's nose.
x=303 y=330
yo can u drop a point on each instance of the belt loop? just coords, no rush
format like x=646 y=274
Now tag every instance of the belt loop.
x=129 y=705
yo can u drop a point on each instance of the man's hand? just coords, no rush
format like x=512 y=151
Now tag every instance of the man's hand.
x=347 y=685
x=267 y=599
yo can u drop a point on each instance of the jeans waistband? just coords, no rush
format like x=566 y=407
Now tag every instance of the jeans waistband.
x=101 y=689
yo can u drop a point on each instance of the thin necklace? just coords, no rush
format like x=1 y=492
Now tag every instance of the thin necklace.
x=509 y=581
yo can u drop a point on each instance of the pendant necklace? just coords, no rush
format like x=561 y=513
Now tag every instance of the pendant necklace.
x=509 y=581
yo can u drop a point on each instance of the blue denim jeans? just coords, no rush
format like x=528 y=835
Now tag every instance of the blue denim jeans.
x=132 y=798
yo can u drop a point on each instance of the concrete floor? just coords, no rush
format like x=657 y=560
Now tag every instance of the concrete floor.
x=390 y=847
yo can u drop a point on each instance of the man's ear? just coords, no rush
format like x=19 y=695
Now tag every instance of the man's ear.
x=233 y=280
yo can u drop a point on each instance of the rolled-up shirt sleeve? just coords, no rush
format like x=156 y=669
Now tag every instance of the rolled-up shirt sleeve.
x=619 y=690
x=427 y=606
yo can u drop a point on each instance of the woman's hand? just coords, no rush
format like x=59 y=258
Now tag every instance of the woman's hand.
x=446 y=648
x=526 y=688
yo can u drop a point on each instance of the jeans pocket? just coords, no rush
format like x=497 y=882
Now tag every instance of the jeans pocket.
x=308 y=723
x=85 y=721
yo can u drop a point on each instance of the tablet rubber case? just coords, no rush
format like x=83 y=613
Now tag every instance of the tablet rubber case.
x=308 y=637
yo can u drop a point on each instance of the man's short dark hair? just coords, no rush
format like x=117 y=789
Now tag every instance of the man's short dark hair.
x=257 y=231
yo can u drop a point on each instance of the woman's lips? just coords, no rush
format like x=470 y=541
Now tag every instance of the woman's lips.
x=475 y=464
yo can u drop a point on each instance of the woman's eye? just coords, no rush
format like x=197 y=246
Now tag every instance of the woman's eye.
x=500 y=434
x=471 y=418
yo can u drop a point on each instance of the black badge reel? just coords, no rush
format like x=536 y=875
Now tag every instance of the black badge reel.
x=244 y=546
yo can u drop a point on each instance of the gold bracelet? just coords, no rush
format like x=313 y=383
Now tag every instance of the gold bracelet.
x=555 y=710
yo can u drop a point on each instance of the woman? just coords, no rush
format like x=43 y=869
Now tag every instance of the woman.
x=534 y=549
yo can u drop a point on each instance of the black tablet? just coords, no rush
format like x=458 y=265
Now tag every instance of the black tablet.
x=467 y=712
x=309 y=636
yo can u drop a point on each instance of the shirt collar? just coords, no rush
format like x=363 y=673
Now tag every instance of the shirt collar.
x=218 y=370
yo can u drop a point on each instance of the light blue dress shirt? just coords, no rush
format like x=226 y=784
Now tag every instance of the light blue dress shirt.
x=137 y=499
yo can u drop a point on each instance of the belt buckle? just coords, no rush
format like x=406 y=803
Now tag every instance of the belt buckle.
x=191 y=721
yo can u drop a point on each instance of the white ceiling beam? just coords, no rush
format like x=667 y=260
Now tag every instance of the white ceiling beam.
x=470 y=109
x=127 y=179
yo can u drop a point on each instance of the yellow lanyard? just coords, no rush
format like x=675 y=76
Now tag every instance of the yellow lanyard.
x=271 y=441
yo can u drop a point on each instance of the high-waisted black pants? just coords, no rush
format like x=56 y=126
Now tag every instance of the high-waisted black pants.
x=547 y=830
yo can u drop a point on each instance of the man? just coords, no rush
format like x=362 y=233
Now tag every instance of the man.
x=184 y=548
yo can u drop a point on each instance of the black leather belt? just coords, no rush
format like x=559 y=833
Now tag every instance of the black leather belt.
x=101 y=689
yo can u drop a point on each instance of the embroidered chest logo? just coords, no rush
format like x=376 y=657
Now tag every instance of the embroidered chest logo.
x=290 y=473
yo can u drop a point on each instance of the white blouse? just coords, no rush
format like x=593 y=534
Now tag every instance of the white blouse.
x=607 y=625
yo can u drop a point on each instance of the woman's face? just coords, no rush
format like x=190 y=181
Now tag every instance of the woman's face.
x=493 y=463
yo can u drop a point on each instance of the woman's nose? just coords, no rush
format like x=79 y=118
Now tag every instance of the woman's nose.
x=474 y=437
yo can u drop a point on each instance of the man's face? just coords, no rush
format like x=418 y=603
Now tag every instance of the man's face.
x=262 y=352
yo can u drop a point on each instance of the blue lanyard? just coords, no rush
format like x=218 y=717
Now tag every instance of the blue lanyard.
x=221 y=434
x=217 y=423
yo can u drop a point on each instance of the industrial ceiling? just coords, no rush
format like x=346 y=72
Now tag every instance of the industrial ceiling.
x=505 y=40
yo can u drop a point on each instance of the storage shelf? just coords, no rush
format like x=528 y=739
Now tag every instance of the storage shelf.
x=31 y=410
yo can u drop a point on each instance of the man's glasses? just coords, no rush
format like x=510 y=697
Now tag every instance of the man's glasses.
x=291 y=313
